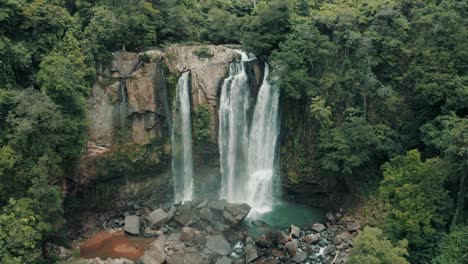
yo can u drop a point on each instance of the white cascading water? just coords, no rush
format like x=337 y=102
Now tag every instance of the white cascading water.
x=182 y=163
x=233 y=137
x=262 y=148
x=248 y=155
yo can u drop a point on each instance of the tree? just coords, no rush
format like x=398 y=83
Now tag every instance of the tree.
x=419 y=203
x=348 y=146
x=453 y=248
x=372 y=247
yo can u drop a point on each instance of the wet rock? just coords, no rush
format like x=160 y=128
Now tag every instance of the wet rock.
x=311 y=239
x=224 y=260
x=295 y=231
x=262 y=242
x=250 y=253
x=201 y=204
x=207 y=214
x=217 y=205
x=291 y=247
x=277 y=237
x=219 y=227
x=318 y=227
x=185 y=218
x=329 y=250
x=132 y=224
x=299 y=257
x=218 y=244
x=239 y=211
x=158 y=217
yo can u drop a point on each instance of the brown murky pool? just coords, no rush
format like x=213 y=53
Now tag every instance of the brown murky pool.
x=116 y=245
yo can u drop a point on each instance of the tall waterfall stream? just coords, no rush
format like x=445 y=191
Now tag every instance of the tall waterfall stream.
x=248 y=152
x=182 y=162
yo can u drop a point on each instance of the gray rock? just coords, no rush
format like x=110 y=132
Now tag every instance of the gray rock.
x=354 y=226
x=230 y=219
x=217 y=205
x=207 y=214
x=239 y=211
x=185 y=218
x=311 y=239
x=188 y=234
x=132 y=224
x=158 y=217
x=201 y=204
x=329 y=250
x=346 y=236
x=291 y=247
x=337 y=240
x=180 y=258
x=299 y=257
x=152 y=233
x=277 y=237
x=224 y=260
x=318 y=227
x=155 y=254
x=218 y=244
x=330 y=217
x=219 y=227
x=295 y=231
x=250 y=253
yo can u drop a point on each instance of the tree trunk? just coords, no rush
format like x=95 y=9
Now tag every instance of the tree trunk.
x=458 y=216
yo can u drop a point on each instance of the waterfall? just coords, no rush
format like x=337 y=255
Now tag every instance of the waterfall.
x=233 y=138
x=182 y=163
x=262 y=148
x=248 y=156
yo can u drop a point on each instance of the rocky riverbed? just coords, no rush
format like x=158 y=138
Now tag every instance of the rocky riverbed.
x=206 y=231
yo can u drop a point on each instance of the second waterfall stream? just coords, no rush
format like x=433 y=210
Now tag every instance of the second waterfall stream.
x=248 y=143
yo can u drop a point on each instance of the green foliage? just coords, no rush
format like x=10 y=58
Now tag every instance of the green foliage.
x=203 y=53
x=419 y=203
x=348 y=146
x=453 y=248
x=372 y=247
x=20 y=232
x=201 y=124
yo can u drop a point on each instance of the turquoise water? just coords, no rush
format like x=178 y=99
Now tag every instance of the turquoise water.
x=282 y=216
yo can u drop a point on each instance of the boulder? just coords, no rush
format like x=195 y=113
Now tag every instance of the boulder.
x=311 y=238
x=158 y=217
x=183 y=258
x=262 y=242
x=155 y=254
x=329 y=250
x=217 y=205
x=295 y=231
x=152 y=233
x=218 y=244
x=299 y=257
x=337 y=240
x=186 y=218
x=207 y=214
x=353 y=226
x=277 y=237
x=346 y=236
x=250 y=253
x=132 y=224
x=188 y=234
x=318 y=227
x=224 y=260
x=291 y=247
x=201 y=204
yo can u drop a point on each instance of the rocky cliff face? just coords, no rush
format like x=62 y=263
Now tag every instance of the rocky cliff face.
x=130 y=114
